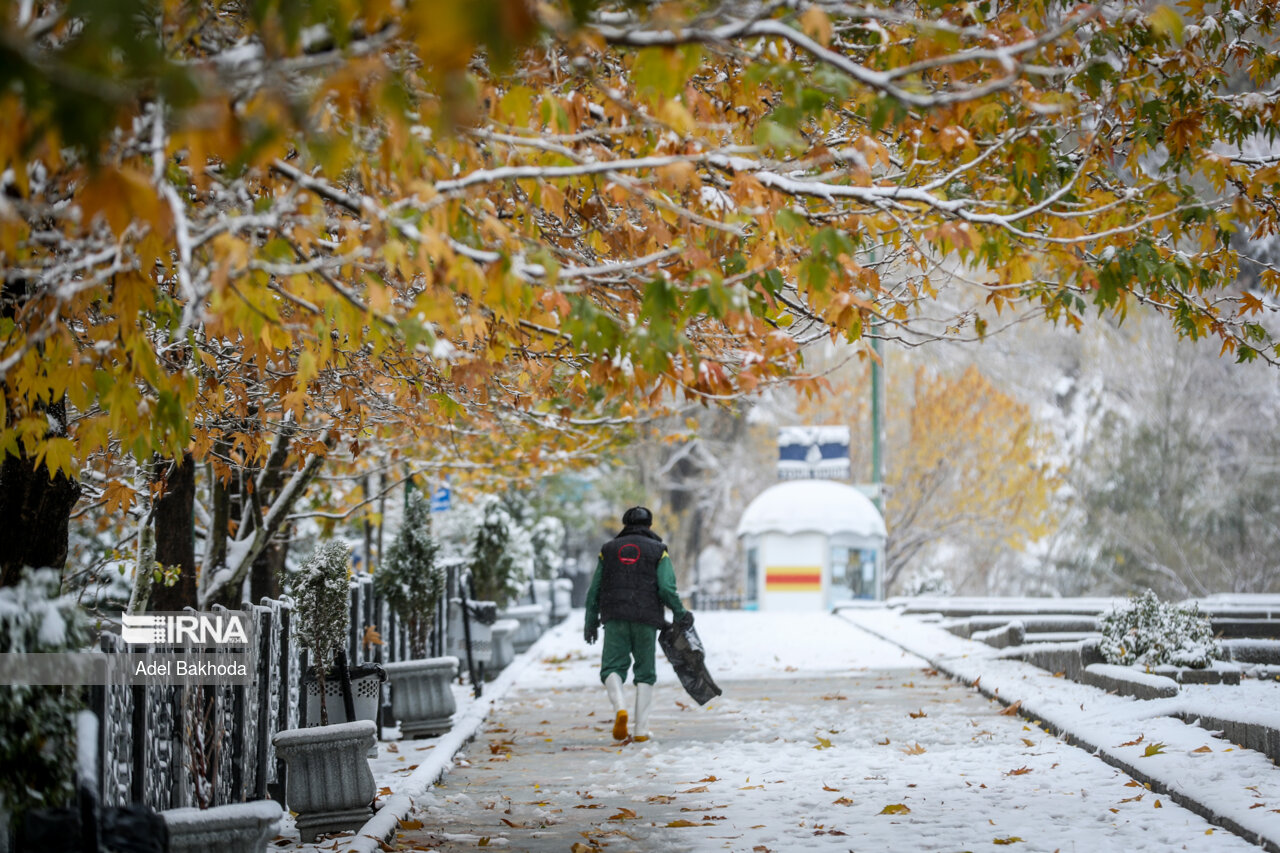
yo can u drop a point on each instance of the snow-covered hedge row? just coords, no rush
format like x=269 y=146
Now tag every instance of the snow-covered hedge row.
x=1152 y=632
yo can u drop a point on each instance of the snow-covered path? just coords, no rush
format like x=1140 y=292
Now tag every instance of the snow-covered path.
x=826 y=738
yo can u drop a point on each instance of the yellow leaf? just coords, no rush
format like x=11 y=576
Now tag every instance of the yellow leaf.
x=1012 y=839
x=914 y=750
x=823 y=743
x=1204 y=748
x=1158 y=804
x=410 y=824
x=843 y=801
x=896 y=808
x=816 y=25
x=682 y=823
x=623 y=814
x=1153 y=749
x=1166 y=22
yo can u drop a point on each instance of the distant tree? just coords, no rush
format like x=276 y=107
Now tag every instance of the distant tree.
x=495 y=570
x=970 y=472
x=1177 y=483
x=410 y=579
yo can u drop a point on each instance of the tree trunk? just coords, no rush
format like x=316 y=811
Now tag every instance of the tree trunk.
x=264 y=577
x=145 y=554
x=35 y=511
x=175 y=535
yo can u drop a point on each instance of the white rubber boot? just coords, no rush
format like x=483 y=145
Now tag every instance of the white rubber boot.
x=644 y=702
x=613 y=686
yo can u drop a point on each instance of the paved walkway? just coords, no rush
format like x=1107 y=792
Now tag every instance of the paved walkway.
x=861 y=759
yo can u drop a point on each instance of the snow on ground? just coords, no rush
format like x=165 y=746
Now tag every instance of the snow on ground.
x=826 y=739
x=1238 y=784
x=738 y=646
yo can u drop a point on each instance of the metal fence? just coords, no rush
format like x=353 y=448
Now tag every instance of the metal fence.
x=145 y=751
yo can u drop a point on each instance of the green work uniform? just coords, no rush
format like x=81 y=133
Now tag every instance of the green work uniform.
x=625 y=641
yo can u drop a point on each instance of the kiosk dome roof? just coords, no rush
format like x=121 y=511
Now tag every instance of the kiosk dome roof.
x=812 y=506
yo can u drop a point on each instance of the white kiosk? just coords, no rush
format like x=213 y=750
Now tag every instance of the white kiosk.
x=810 y=544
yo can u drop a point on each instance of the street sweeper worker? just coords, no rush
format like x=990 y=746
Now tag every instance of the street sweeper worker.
x=633 y=580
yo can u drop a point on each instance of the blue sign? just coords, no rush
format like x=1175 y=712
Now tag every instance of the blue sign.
x=441 y=499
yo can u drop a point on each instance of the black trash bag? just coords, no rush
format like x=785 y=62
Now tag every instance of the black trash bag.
x=49 y=830
x=134 y=829
x=484 y=612
x=683 y=648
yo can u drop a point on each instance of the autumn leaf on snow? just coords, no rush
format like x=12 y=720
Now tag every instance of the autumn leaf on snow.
x=623 y=814
x=1012 y=839
x=579 y=847
x=1019 y=772
x=1153 y=749
x=1012 y=709
x=410 y=824
x=843 y=801
x=683 y=823
x=1135 y=742
x=823 y=743
x=895 y=808
x=701 y=789
x=914 y=750
x=915 y=715
x=827 y=787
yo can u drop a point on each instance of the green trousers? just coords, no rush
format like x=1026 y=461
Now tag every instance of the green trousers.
x=624 y=641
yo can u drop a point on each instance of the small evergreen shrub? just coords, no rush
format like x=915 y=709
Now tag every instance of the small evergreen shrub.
x=494 y=570
x=38 y=724
x=320 y=595
x=1152 y=632
x=409 y=579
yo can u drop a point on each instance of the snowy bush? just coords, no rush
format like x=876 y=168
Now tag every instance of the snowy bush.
x=496 y=569
x=548 y=547
x=1151 y=632
x=37 y=724
x=928 y=582
x=320 y=593
x=410 y=579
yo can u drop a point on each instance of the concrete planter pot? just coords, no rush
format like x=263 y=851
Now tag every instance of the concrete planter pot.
x=329 y=783
x=530 y=617
x=236 y=828
x=420 y=695
x=503 y=650
x=481 y=637
x=563 y=598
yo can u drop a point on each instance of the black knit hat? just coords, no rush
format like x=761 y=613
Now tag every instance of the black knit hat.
x=637 y=516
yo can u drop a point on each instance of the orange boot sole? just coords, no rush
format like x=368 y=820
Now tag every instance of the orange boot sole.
x=620 y=726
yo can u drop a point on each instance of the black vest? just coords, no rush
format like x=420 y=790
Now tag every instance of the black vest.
x=629 y=584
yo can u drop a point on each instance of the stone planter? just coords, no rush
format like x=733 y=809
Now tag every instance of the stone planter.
x=420 y=695
x=503 y=650
x=563 y=598
x=329 y=784
x=236 y=828
x=530 y=617
x=481 y=637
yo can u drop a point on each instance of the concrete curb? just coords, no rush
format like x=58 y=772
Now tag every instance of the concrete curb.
x=371 y=837
x=967 y=670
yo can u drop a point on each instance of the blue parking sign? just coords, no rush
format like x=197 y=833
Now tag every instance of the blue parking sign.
x=440 y=498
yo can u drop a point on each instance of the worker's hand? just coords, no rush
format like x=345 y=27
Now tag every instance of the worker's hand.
x=590 y=633
x=685 y=622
